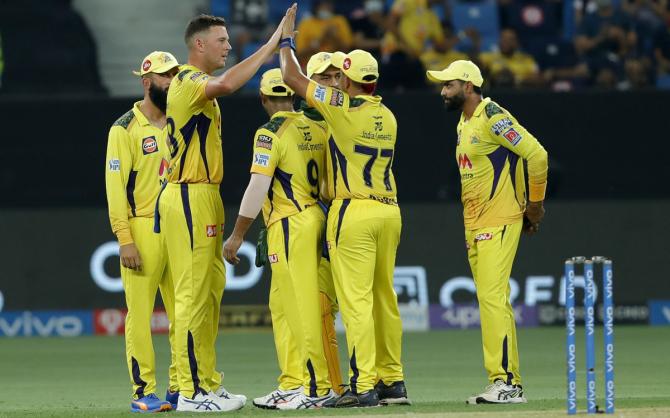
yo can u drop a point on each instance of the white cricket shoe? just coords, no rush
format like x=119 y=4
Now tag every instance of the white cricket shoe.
x=222 y=393
x=208 y=403
x=272 y=399
x=302 y=401
x=499 y=392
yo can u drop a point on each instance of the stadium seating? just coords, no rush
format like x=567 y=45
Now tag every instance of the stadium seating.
x=480 y=15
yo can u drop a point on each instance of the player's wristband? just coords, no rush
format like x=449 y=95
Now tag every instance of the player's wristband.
x=287 y=42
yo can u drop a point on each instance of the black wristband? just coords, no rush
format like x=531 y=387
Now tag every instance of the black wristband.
x=287 y=42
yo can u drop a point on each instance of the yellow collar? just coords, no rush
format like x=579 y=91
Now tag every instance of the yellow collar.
x=141 y=119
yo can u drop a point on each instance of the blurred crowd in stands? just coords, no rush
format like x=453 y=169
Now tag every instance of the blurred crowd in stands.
x=559 y=45
x=542 y=44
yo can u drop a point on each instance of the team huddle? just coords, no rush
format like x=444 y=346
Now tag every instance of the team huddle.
x=322 y=177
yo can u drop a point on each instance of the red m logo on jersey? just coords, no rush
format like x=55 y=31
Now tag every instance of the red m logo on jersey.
x=464 y=161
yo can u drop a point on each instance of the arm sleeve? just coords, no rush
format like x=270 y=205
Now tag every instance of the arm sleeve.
x=506 y=131
x=331 y=103
x=255 y=195
x=119 y=164
x=267 y=153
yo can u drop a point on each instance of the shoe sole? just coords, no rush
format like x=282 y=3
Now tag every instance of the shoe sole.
x=482 y=401
x=163 y=408
x=395 y=401
x=261 y=406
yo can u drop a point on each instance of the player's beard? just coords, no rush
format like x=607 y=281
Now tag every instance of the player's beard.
x=455 y=102
x=158 y=96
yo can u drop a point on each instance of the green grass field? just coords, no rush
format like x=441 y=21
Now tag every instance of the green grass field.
x=87 y=377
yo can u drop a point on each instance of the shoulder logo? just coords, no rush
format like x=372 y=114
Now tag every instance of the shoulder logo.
x=320 y=94
x=261 y=159
x=501 y=125
x=264 y=141
x=337 y=99
x=149 y=145
x=114 y=164
x=512 y=136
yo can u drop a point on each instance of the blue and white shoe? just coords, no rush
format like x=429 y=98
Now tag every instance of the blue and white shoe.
x=208 y=403
x=172 y=397
x=150 y=403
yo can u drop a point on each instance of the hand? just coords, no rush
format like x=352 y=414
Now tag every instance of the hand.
x=230 y=248
x=532 y=217
x=288 y=23
x=130 y=257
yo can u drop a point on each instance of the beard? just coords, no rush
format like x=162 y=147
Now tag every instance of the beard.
x=455 y=103
x=158 y=96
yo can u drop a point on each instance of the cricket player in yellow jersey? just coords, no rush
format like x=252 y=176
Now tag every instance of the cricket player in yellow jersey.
x=363 y=228
x=137 y=160
x=321 y=70
x=190 y=211
x=288 y=162
x=490 y=152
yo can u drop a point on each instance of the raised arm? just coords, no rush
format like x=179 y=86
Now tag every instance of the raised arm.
x=290 y=68
x=237 y=76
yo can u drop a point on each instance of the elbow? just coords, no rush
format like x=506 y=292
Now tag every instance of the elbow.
x=224 y=88
x=289 y=76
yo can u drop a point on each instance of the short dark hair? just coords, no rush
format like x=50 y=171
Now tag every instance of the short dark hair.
x=200 y=23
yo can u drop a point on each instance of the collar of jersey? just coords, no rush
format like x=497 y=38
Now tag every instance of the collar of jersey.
x=480 y=107
x=368 y=98
x=190 y=67
x=141 y=119
x=286 y=114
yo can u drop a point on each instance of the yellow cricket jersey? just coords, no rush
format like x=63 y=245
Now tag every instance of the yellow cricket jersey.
x=291 y=148
x=492 y=176
x=194 y=130
x=137 y=162
x=361 y=146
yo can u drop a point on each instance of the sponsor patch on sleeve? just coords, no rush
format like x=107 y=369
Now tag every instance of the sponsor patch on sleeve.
x=262 y=160
x=512 y=136
x=500 y=126
x=337 y=99
x=320 y=94
x=114 y=164
x=264 y=141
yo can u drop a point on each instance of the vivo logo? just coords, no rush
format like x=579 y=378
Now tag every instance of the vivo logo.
x=590 y=321
x=571 y=321
x=572 y=367
x=609 y=358
x=27 y=324
x=572 y=396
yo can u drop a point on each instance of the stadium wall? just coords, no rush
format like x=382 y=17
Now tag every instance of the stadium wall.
x=67 y=259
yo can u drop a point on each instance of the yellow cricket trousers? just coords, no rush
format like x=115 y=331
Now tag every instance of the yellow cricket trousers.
x=191 y=219
x=363 y=236
x=289 y=356
x=294 y=252
x=491 y=254
x=140 y=290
